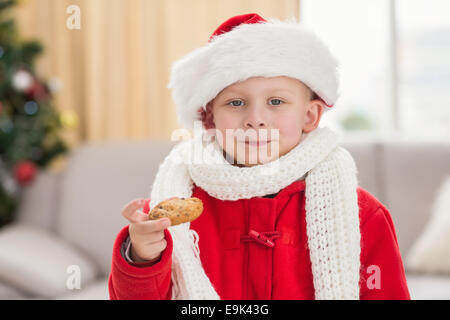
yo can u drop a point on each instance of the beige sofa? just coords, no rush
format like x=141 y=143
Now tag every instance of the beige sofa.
x=60 y=247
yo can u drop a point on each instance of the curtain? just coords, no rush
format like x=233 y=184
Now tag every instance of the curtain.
x=114 y=70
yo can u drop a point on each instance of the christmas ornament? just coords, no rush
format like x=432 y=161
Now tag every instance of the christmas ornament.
x=22 y=80
x=37 y=91
x=69 y=119
x=54 y=85
x=24 y=172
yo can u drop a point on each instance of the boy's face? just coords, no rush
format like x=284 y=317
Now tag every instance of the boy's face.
x=254 y=111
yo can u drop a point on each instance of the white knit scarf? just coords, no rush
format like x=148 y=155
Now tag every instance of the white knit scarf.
x=332 y=212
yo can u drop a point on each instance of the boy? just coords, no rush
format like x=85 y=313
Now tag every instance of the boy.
x=302 y=231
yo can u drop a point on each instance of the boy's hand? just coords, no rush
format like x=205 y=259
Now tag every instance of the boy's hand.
x=147 y=236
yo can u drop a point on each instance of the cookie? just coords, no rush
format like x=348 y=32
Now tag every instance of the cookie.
x=178 y=210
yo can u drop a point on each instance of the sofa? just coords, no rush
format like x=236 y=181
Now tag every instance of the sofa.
x=60 y=245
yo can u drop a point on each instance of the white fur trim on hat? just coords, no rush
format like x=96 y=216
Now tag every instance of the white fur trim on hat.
x=268 y=49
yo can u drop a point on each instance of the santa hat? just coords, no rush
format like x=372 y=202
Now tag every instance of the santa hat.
x=247 y=46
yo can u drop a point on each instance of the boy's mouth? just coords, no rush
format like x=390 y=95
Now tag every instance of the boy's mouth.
x=257 y=143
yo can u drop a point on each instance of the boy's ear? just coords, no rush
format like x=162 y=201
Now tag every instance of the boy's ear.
x=314 y=111
x=207 y=117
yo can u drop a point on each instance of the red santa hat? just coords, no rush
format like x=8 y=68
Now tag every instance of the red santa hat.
x=246 y=46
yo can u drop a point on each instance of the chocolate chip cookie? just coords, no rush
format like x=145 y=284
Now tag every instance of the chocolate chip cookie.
x=178 y=210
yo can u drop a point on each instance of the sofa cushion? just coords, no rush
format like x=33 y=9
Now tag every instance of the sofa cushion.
x=412 y=172
x=430 y=253
x=428 y=287
x=98 y=290
x=38 y=263
x=9 y=293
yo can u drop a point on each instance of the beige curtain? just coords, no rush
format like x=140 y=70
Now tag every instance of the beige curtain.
x=115 y=69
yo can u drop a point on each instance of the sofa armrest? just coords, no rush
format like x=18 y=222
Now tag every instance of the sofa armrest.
x=39 y=263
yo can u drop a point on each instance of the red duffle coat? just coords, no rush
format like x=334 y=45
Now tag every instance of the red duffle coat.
x=277 y=266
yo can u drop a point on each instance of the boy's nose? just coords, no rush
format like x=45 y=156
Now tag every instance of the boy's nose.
x=255 y=124
x=255 y=119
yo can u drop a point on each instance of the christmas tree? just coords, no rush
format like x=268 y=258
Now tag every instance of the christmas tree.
x=29 y=124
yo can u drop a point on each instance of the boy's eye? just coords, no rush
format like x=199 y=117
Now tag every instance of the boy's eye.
x=277 y=102
x=235 y=103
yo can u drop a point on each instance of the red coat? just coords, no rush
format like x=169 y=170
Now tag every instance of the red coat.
x=240 y=267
